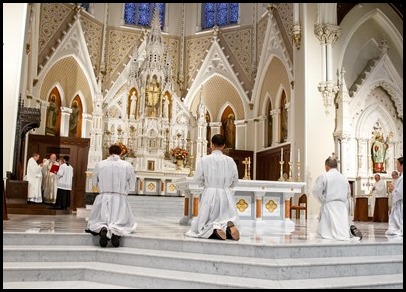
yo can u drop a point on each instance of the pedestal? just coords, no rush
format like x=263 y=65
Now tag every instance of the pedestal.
x=381 y=210
x=361 y=209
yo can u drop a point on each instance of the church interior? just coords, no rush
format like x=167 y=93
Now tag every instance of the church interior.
x=287 y=84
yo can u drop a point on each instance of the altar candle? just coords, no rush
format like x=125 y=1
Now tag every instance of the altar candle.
x=298 y=155
x=281 y=154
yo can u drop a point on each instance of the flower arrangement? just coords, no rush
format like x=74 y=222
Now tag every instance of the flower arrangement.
x=179 y=153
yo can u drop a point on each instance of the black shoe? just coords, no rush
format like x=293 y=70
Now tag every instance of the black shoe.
x=115 y=240
x=232 y=231
x=355 y=231
x=91 y=232
x=103 y=237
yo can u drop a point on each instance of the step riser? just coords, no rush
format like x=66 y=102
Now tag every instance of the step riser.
x=277 y=271
x=211 y=246
x=99 y=276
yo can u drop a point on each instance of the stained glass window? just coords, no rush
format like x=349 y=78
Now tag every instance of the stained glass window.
x=86 y=6
x=219 y=14
x=142 y=13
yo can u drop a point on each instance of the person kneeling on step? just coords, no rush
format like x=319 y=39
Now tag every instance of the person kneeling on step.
x=217 y=173
x=111 y=216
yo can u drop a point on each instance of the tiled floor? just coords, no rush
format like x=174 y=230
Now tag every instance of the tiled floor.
x=169 y=227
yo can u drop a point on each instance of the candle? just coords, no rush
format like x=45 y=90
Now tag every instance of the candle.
x=298 y=155
x=281 y=154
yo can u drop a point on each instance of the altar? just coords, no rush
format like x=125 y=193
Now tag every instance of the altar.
x=259 y=202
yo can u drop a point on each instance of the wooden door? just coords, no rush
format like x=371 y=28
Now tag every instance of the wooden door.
x=76 y=148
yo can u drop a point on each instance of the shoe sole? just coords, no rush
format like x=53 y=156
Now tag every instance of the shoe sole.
x=232 y=231
x=220 y=234
x=103 y=237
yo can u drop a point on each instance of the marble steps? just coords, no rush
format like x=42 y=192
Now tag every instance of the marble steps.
x=241 y=266
x=149 y=278
x=183 y=263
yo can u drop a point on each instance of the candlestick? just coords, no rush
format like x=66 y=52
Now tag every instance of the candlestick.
x=281 y=174
x=290 y=171
x=298 y=155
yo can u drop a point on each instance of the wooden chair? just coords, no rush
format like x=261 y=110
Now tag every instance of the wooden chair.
x=301 y=206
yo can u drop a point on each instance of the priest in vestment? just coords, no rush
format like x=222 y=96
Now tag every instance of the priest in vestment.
x=50 y=179
x=217 y=173
x=333 y=191
x=34 y=178
x=111 y=216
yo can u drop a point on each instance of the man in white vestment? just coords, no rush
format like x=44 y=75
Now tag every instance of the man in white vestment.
x=50 y=179
x=395 y=178
x=217 y=173
x=34 y=178
x=378 y=191
x=111 y=216
x=395 y=224
x=333 y=191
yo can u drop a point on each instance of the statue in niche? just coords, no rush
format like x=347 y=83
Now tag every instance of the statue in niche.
x=379 y=149
x=153 y=94
x=52 y=116
x=229 y=131
x=133 y=104
x=74 y=119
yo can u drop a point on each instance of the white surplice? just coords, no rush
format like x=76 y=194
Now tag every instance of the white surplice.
x=395 y=225
x=111 y=208
x=34 y=178
x=217 y=173
x=333 y=192
x=378 y=192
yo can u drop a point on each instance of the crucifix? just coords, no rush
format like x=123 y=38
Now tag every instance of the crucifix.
x=247 y=173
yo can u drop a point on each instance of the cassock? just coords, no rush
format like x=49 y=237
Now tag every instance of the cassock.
x=111 y=208
x=395 y=224
x=216 y=173
x=333 y=191
x=34 y=178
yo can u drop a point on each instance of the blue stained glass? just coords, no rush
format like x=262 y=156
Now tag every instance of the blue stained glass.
x=86 y=6
x=129 y=13
x=219 y=14
x=142 y=13
x=234 y=12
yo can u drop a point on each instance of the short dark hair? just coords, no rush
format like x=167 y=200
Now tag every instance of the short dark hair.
x=66 y=158
x=331 y=162
x=115 y=149
x=400 y=159
x=218 y=140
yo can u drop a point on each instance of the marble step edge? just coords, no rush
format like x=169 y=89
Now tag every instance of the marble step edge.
x=126 y=276
x=208 y=246
x=45 y=253
x=60 y=285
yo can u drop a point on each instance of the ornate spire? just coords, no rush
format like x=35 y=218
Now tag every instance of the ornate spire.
x=155 y=42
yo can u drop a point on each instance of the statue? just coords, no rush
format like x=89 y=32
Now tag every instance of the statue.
x=133 y=104
x=52 y=116
x=229 y=131
x=379 y=149
x=73 y=120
